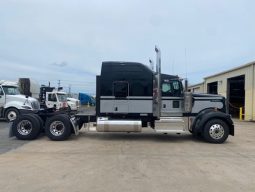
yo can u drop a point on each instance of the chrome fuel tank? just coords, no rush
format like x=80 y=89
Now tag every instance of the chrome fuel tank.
x=105 y=125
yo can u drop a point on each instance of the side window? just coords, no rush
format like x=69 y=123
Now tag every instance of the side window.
x=120 y=89
x=166 y=89
x=1 y=91
x=52 y=97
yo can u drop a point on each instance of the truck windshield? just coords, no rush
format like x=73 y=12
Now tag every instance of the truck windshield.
x=62 y=97
x=11 y=90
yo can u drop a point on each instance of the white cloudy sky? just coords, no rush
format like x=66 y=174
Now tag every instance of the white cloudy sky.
x=50 y=40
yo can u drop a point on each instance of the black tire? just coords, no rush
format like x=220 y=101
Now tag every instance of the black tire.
x=41 y=122
x=58 y=128
x=11 y=114
x=26 y=127
x=216 y=131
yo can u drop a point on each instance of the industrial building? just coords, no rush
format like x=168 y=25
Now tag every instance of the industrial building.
x=237 y=85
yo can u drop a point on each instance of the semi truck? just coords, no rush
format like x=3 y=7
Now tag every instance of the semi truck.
x=131 y=97
x=12 y=103
x=50 y=97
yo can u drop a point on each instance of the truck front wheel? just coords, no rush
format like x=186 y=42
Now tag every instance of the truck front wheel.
x=11 y=114
x=58 y=127
x=216 y=131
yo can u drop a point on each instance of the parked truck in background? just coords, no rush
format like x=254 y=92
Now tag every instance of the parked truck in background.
x=12 y=103
x=50 y=97
x=86 y=99
x=130 y=97
x=73 y=104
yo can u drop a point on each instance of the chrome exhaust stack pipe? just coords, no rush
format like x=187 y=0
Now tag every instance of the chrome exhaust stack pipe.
x=158 y=79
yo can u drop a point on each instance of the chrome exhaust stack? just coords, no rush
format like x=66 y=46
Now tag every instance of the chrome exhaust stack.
x=157 y=84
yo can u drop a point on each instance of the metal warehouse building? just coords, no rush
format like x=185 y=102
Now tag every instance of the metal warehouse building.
x=237 y=85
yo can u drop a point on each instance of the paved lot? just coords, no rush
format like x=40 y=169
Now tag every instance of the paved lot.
x=129 y=162
x=7 y=143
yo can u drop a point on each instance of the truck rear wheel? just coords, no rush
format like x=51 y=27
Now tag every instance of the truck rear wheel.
x=41 y=123
x=11 y=114
x=58 y=128
x=26 y=127
x=216 y=131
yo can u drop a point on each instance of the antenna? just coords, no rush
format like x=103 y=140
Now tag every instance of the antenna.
x=69 y=90
x=173 y=66
x=186 y=67
x=58 y=83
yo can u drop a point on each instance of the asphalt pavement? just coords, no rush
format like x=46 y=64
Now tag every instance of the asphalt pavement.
x=108 y=162
x=6 y=143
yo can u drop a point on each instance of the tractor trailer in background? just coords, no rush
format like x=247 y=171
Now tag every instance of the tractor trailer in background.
x=49 y=97
x=130 y=97
x=86 y=99
x=12 y=103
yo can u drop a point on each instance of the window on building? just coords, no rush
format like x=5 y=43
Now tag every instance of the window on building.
x=212 y=88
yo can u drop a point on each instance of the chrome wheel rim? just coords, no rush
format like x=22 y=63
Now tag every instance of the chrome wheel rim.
x=24 y=127
x=216 y=131
x=57 y=128
x=12 y=115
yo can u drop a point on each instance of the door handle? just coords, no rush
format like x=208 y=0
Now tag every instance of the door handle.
x=164 y=105
x=115 y=108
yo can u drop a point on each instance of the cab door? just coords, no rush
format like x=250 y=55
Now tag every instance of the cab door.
x=2 y=97
x=172 y=99
x=51 y=100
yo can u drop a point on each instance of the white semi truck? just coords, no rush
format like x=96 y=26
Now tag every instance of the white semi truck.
x=50 y=97
x=12 y=103
x=131 y=97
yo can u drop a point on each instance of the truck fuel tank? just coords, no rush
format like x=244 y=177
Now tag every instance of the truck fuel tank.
x=106 y=125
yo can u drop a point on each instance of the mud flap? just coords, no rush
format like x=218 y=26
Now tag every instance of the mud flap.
x=75 y=126
x=10 y=130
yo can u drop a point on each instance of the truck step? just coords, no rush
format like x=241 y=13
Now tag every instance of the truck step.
x=169 y=131
x=171 y=125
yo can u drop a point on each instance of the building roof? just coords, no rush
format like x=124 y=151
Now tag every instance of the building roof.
x=197 y=84
x=230 y=70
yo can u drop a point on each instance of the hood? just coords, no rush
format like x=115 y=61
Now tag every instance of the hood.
x=21 y=98
x=204 y=95
x=72 y=99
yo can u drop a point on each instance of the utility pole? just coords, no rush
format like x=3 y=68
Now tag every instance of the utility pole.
x=58 y=83
x=69 y=90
